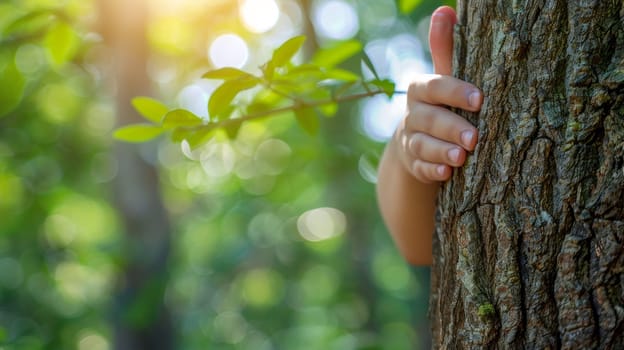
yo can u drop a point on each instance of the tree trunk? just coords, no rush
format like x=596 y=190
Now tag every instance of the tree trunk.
x=529 y=245
x=141 y=319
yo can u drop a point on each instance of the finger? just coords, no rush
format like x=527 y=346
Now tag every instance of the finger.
x=430 y=172
x=443 y=20
x=442 y=124
x=430 y=149
x=445 y=90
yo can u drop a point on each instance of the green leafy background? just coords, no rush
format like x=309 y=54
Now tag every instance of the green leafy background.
x=243 y=274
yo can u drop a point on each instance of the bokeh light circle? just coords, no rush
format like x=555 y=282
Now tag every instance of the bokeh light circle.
x=321 y=223
x=228 y=50
x=259 y=16
x=335 y=19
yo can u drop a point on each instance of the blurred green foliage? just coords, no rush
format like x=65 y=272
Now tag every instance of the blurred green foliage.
x=277 y=241
x=58 y=231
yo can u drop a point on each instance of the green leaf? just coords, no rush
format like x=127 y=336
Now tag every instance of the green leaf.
x=268 y=70
x=336 y=54
x=12 y=85
x=151 y=109
x=369 y=64
x=342 y=75
x=61 y=41
x=223 y=96
x=232 y=128
x=138 y=132
x=181 y=134
x=297 y=77
x=31 y=22
x=386 y=85
x=308 y=120
x=226 y=73
x=195 y=137
x=329 y=110
x=407 y=6
x=306 y=69
x=181 y=117
x=263 y=100
x=287 y=50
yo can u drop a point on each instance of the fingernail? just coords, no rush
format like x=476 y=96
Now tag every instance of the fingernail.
x=440 y=15
x=467 y=138
x=474 y=99
x=441 y=169
x=441 y=19
x=453 y=155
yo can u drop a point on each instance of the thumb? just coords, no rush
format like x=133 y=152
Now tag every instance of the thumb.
x=441 y=39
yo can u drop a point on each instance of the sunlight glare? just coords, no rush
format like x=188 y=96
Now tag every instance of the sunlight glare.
x=401 y=58
x=194 y=98
x=229 y=50
x=218 y=159
x=381 y=116
x=259 y=16
x=336 y=19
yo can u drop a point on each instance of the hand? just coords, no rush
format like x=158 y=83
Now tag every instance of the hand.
x=432 y=139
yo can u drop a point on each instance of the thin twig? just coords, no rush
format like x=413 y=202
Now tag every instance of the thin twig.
x=298 y=105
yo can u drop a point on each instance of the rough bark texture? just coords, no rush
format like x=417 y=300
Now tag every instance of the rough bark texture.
x=529 y=246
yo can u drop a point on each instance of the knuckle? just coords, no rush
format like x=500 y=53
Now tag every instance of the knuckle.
x=401 y=128
x=415 y=144
x=418 y=89
x=459 y=90
x=418 y=173
x=421 y=117
x=402 y=151
x=414 y=110
x=421 y=172
x=426 y=121
x=432 y=86
x=412 y=91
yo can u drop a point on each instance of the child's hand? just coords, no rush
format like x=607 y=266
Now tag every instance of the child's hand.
x=432 y=139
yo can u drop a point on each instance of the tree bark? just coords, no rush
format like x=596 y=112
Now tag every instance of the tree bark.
x=528 y=252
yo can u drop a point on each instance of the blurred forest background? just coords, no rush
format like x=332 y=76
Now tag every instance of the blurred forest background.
x=268 y=241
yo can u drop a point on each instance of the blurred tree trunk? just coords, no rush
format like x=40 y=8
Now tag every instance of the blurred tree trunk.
x=141 y=320
x=529 y=247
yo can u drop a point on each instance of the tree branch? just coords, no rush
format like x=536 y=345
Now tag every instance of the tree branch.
x=299 y=104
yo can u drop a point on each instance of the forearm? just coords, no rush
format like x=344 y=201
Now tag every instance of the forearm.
x=407 y=207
